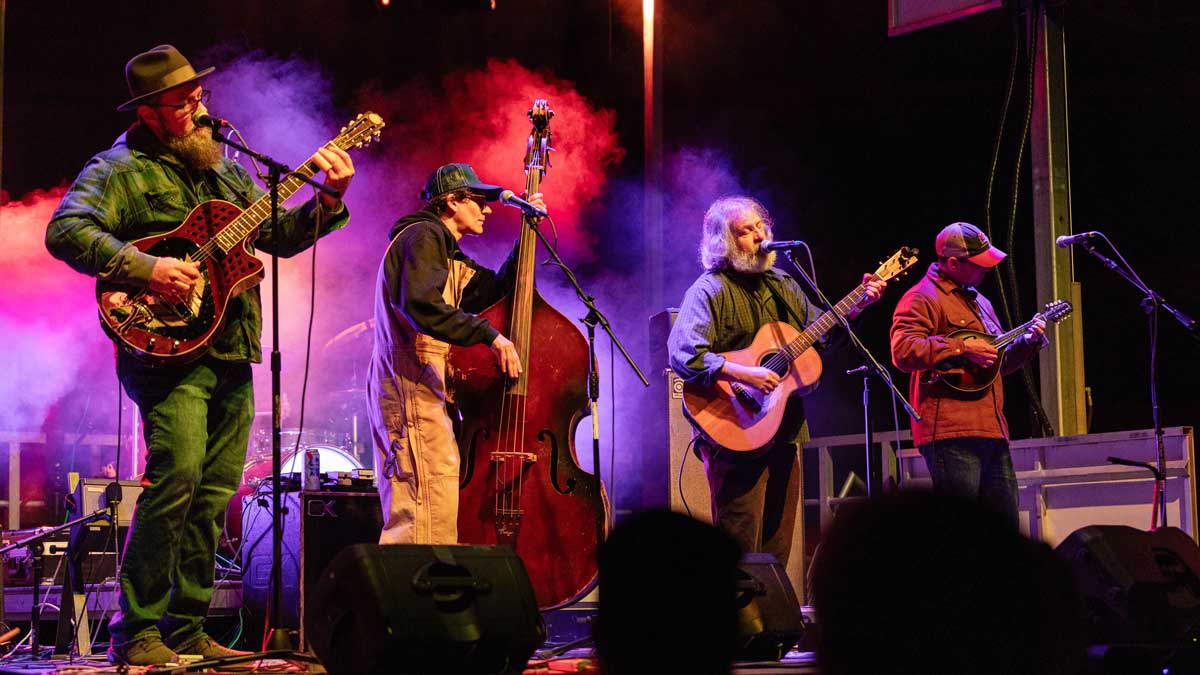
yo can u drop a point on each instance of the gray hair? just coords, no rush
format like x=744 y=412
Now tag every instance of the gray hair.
x=716 y=240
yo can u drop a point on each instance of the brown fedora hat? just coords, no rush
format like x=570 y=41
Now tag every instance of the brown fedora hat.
x=153 y=72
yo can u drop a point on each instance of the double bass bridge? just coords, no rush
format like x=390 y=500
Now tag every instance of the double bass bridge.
x=501 y=458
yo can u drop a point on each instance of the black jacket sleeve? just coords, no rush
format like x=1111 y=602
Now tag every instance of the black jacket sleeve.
x=417 y=289
x=487 y=287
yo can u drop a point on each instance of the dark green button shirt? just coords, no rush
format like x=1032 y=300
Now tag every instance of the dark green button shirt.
x=136 y=189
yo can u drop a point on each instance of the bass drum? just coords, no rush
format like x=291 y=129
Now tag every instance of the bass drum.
x=258 y=472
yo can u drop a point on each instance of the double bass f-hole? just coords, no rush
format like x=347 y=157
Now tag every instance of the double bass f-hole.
x=469 y=460
x=543 y=435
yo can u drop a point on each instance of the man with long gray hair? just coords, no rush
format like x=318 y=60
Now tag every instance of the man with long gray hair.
x=755 y=495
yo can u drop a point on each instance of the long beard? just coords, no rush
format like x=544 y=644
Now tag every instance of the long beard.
x=751 y=263
x=198 y=151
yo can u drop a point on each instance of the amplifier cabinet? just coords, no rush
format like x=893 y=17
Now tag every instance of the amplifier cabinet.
x=317 y=525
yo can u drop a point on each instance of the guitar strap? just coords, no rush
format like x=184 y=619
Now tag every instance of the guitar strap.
x=246 y=201
x=802 y=323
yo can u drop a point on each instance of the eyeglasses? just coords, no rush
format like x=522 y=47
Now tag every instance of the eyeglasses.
x=479 y=199
x=188 y=104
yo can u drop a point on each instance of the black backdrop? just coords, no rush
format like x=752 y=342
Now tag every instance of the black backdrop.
x=856 y=141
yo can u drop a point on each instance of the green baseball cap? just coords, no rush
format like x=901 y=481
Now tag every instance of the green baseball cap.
x=450 y=177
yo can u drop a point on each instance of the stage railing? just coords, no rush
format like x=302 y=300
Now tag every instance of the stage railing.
x=14 y=440
x=1064 y=482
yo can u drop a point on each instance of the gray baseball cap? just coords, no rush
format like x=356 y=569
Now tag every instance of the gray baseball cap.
x=964 y=240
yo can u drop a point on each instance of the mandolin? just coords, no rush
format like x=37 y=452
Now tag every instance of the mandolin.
x=962 y=375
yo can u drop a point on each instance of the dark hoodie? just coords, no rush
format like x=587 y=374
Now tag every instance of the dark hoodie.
x=415 y=270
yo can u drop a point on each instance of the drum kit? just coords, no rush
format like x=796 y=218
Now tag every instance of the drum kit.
x=340 y=434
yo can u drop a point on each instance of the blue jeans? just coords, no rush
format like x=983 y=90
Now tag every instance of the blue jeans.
x=979 y=469
x=197 y=424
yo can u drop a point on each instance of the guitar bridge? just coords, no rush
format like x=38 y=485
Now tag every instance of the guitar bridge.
x=747 y=399
x=130 y=316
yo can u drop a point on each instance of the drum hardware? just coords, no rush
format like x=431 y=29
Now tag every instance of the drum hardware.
x=256 y=479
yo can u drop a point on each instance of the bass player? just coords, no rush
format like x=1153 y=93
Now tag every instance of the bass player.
x=755 y=495
x=197 y=416
x=963 y=436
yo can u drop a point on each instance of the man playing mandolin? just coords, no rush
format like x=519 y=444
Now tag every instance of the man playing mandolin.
x=426 y=296
x=962 y=435
x=755 y=495
x=197 y=415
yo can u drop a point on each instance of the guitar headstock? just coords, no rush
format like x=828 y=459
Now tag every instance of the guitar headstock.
x=896 y=265
x=1057 y=310
x=360 y=131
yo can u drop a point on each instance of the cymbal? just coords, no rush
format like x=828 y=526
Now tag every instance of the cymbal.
x=350 y=334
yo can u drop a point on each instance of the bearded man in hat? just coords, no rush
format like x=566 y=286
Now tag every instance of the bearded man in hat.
x=963 y=436
x=197 y=416
x=755 y=495
x=427 y=295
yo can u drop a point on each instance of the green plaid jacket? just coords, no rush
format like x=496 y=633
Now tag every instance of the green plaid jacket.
x=136 y=189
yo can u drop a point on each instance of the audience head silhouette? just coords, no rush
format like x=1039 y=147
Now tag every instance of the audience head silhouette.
x=922 y=583
x=667 y=597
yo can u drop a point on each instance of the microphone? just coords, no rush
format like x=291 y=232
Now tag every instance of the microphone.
x=768 y=246
x=205 y=120
x=1067 y=239
x=511 y=199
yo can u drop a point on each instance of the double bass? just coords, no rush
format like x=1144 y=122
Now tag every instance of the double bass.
x=520 y=479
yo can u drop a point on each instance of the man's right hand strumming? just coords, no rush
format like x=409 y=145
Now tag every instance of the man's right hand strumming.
x=762 y=379
x=174 y=278
x=979 y=352
x=506 y=356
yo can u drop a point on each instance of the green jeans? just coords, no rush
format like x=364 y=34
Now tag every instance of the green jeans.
x=197 y=424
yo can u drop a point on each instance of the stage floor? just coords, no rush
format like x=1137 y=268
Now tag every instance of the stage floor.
x=565 y=627
x=796 y=663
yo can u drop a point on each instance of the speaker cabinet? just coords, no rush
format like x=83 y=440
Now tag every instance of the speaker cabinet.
x=89 y=495
x=424 y=609
x=1137 y=587
x=769 y=619
x=317 y=525
x=671 y=432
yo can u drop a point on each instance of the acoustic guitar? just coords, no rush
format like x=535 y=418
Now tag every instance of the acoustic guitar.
x=743 y=418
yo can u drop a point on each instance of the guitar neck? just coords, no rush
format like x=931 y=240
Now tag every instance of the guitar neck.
x=1011 y=336
x=817 y=329
x=233 y=234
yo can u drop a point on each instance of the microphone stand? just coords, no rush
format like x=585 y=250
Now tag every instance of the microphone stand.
x=37 y=548
x=594 y=317
x=1160 y=481
x=1150 y=304
x=275 y=637
x=869 y=362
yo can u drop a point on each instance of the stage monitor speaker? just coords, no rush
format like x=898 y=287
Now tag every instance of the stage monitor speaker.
x=316 y=526
x=1137 y=587
x=424 y=609
x=769 y=619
